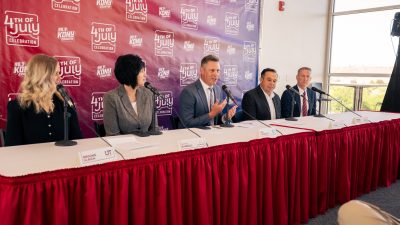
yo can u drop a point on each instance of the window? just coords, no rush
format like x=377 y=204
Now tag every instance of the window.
x=362 y=52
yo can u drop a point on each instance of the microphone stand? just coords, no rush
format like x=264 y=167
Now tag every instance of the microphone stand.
x=154 y=130
x=67 y=115
x=319 y=107
x=291 y=118
x=228 y=122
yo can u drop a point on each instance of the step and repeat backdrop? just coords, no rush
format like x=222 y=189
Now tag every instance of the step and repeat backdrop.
x=87 y=37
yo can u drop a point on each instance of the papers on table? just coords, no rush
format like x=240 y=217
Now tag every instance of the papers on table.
x=128 y=143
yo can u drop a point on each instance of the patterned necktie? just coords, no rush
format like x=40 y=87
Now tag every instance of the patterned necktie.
x=211 y=103
x=304 y=107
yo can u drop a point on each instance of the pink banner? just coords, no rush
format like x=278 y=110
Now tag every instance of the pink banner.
x=87 y=36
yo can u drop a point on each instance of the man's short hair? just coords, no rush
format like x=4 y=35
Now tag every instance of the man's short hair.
x=267 y=70
x=303 y=68
x=209 y=58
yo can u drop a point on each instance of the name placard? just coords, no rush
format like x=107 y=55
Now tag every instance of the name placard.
x=267 y=132
x=190 y=144
x=360 y=120
x=96 y=156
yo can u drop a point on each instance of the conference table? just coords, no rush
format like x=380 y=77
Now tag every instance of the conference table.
x=283 y=173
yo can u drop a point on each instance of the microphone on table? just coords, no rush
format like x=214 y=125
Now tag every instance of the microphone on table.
x=157 y=93
x=229 y=94
x=64 y=94
x=288 y=87
x=151 y=88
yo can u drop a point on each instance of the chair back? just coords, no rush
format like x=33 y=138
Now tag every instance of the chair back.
x=100 y=130
x=2 y=137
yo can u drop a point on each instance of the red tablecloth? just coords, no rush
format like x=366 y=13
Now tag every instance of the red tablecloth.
x=285 y=180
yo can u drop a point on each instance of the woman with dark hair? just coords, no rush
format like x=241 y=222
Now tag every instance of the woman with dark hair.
x=129 y=107
x=36 y=116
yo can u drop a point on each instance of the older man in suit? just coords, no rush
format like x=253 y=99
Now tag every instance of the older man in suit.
x=262 y=102
x=201 y=102
x=305 y=105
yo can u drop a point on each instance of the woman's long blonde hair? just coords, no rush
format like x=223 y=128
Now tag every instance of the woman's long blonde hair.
x=38 y=85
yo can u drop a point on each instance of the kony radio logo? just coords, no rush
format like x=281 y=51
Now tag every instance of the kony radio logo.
x=22 y=29
x=104 y=37
x=104 y=4
x=72 y=6
x=231 y=73
x=97 y=105
x=189 y=16
x=19 y=69
x=163 y=73
x=136 y=10
x=211 y=46
x=163 y=43
x=188 y=73
x=251 y=5
x=164 y=103
x=103 y=71
x=70 y=70
x=232 y=23
x=249 y=51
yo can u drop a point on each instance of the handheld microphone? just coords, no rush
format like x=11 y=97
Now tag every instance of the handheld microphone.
x=293 y=90
x=151 y=88
x=229 y=94
x=319 y=91
x=65 y=96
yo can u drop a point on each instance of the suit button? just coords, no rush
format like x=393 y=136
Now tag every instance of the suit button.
x=50 y=134
x=48 y=116
x=49 y=125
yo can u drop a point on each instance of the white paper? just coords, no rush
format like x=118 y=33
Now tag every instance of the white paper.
x=336 y=124
x=194 y=143
x=118 y=140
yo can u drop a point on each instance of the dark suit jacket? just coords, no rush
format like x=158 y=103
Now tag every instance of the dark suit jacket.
x=193 y=105
x=25 y=126
x=286 y=102
x=255 y=103
x=119 y=115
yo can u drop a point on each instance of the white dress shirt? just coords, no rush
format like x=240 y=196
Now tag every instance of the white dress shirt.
x=271 y=104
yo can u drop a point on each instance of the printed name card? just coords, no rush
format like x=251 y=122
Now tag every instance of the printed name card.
x=267 y=132
x=97 y=156
x=194 y=143
x=337 y=124
x=360 y=120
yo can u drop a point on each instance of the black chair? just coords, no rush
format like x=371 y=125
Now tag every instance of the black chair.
x=174 y=121
x=100 y=130
x=2 y=137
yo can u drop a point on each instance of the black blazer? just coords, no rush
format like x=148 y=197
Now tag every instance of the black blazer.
x=287 y=103
x=25 y=126
x=255 y=103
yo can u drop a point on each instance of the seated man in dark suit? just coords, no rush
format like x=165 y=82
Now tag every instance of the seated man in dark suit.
x=201 y=102
x=307 y=104
x=262 y=102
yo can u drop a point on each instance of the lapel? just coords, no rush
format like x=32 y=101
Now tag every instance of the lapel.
x=264 y=101
x=202 y=95
x=127 y=103
x=140 y=101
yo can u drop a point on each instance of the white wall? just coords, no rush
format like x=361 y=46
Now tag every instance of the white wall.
x=293 y=38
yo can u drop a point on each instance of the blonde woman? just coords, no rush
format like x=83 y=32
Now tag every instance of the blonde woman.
x=36 y=116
